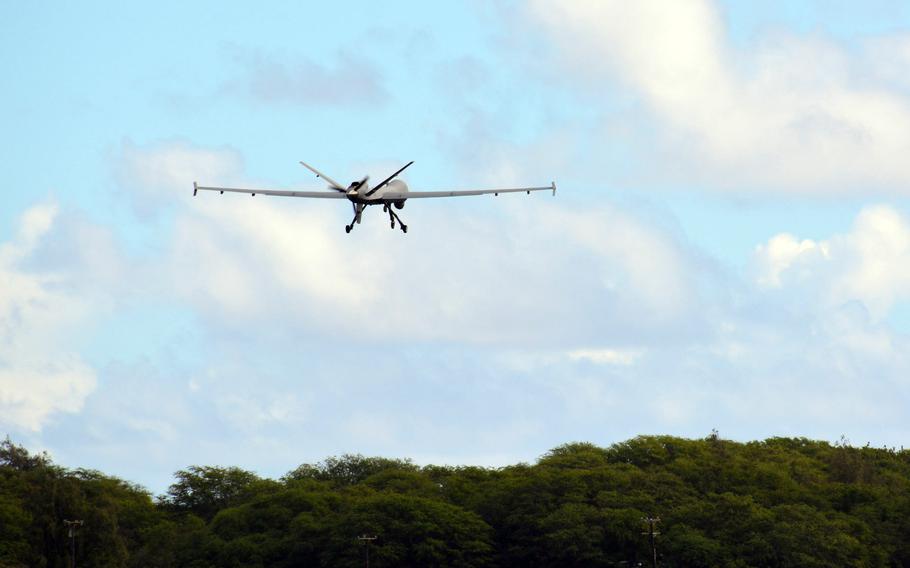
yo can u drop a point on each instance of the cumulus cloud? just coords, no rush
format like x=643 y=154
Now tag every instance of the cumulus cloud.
x=792 y=113
x=40 y=375
x=804 y=346
x=870 y=264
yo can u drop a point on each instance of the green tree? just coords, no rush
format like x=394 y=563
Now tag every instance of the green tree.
x=204 y=490
x=348 y=469
x=411 y=531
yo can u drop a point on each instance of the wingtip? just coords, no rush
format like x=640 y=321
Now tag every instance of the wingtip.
x=553 y=185
x=195 y=189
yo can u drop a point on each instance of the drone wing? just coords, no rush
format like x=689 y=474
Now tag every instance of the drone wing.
x=392 y=196
x=278 y=192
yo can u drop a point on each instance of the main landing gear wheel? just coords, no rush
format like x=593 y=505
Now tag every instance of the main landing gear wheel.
x=404 y=228
x=347 y=228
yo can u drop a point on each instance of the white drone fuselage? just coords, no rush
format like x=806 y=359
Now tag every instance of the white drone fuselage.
x=360 y=195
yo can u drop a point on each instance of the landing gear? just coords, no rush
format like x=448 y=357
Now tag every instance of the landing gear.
x=358 y=211
x=394 y=217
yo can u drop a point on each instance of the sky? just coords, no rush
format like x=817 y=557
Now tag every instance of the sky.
x=729 y=247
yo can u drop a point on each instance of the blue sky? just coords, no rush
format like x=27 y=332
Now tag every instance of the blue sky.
x=730 y=246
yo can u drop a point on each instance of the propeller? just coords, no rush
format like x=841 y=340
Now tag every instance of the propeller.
x=357 y=185
x=332 y=183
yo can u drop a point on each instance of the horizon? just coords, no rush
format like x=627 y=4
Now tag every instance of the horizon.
x=616 y=446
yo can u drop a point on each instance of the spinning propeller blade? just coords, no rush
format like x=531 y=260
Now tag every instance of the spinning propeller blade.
x=359 y=184
x=332 y=183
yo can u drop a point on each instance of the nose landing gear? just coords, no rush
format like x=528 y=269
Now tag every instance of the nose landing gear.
x=358 y=211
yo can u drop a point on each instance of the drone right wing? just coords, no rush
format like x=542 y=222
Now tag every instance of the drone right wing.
x=465 y=192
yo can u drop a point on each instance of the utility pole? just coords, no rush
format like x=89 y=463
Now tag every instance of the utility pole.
x=71 y=533
x=367 y=541
x=651 y=534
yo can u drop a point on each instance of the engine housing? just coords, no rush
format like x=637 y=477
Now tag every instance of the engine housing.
x=398 y=186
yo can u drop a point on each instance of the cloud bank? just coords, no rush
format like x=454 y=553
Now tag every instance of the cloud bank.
x=791 y=113
x=41 y=374
x=598 y=300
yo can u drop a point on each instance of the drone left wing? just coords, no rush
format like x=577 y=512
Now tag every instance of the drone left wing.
x=278 y=192
x=391 y=196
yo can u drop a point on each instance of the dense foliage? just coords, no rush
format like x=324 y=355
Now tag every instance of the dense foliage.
x=780 y=502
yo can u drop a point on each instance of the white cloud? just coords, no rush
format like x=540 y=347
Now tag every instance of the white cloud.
x=870 y=264
x=780 y=253
x=162 y=175
x=878 y=260
x=250 y=411
x=887 y=59
x=791 y=114
x=39 y=376
x=623 y=357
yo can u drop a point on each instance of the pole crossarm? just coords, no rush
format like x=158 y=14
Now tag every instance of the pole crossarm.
x=651 y=521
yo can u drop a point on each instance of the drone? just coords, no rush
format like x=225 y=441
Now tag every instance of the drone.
x=391 y=193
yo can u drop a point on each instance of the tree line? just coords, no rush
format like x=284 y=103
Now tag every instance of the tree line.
x=777 y=502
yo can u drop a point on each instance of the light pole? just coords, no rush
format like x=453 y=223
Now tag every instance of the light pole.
x=367 y=541
x=651 y=534
x=71 y=528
